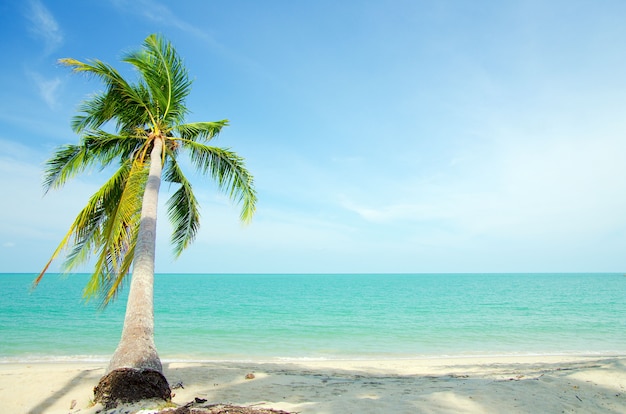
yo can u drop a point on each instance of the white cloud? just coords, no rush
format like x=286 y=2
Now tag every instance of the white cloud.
x=34 y=223
x=551 y=189
x=47 y=89
x=44 y=26
x=565 y=185
x=161 y=14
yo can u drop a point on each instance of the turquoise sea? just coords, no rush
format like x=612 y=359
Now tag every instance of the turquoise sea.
x=325 y=316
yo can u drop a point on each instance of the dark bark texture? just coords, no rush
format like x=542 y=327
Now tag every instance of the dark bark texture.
x=127 y=385
x=195 y=408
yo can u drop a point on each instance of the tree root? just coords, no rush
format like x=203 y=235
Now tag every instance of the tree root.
x=128 y=385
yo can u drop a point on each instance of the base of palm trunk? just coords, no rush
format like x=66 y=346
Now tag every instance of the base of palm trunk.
x=128 y=385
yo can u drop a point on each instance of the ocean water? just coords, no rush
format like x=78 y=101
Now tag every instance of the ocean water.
x=325 y=316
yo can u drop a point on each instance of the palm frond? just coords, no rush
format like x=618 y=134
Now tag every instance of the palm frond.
x=142 y=113
x=110 y=148
x=117 y=234
x=182 y=208
x=67 y=162
x=128 y=104
x=114 y=284
x=83 y=234
x=165 y=75
x=64 y=243
x=200 y=130
x=228 y=170
x=122 y=230
x=92 y=219
x=94 y=112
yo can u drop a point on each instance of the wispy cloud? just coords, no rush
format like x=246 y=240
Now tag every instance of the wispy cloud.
x=47 y=88
x=44 y=26
x=161 y=14
x=568 y=189
x=31 y=226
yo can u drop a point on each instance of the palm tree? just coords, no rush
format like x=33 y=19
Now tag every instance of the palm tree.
x=118 y=225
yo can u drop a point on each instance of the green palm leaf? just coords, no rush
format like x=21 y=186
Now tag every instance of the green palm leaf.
x=200 y=130
x=67 y=162
x=118 y=235
x=182 y=208
x=128 y=104
x=228 y=170
x=148 y=110
x=165 y=77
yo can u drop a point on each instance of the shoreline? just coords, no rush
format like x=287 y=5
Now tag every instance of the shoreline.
x=104 y=359
x=472 y=384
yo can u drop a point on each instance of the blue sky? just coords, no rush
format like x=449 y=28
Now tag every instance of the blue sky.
x=384 y=136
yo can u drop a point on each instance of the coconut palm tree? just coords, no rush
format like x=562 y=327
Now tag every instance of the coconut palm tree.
x=117 y=228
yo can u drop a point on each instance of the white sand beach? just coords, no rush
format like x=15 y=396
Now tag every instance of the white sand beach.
x=555 y=384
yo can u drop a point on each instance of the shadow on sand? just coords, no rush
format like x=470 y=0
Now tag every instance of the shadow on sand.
x=309 y=390
x=42 y=407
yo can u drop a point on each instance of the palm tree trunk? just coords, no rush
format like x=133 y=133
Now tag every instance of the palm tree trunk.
x=135 y=371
